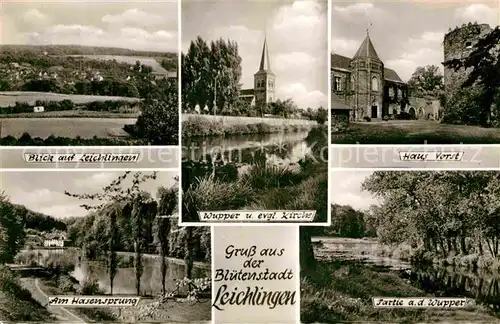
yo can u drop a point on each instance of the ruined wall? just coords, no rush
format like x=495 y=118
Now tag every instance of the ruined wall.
x=425 y=108
x=458 y=44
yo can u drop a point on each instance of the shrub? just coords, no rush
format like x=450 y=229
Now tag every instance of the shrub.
x=386 y=118
x=367 y=119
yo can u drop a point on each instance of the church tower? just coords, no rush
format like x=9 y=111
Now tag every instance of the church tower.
x=264 y=79
x=367 y=80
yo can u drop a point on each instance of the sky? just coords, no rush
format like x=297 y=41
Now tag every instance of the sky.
x=297 y=34
x=406 y=34
x=345 y=189
x=43 y=191
x=137 y=25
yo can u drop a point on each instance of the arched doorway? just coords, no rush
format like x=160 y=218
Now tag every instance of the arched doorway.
x=412 y=113
x=374 y=110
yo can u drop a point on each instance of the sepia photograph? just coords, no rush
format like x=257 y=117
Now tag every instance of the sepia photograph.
x=100 y=246
x=415 y=72
x=254 y=106
x=423 y=235
x=104 y=76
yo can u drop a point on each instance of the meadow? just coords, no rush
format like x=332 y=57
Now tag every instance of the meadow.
x=9 y=98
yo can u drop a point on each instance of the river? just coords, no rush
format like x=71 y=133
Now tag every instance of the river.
x=124 y=282
x=281 y=149
x=482 y=286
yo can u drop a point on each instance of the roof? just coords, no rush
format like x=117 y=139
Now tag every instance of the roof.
x=367 y=49
x=246 y=92
x=265 y=63
x=342 y=62
x=338 y=104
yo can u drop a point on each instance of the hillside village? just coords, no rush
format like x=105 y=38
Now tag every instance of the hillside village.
x=41 y=71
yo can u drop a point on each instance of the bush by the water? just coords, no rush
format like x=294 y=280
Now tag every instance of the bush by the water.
x=202 y=127
x=27 y=140
x=66 y=105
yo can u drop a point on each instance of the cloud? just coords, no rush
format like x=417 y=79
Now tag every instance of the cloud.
x=344 y=46
x=418 y=51
x=347 y=189
x=34 y=16
x=480 y=13
x=298 y=33
x=130 y=37
x=357 y=11
x=134 y=17
x=302 y=96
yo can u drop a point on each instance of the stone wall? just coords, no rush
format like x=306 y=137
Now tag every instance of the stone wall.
x=241 y=120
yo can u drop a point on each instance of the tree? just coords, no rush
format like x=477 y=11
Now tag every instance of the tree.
x=321 y=115
x=167 y=205
x=115 y=196
x=12 y=233
x=484 y=65
x=426 y=80
x=211 y=74
x=159 y=122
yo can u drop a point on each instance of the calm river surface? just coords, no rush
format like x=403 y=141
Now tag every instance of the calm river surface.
x=280 y=148
x=124 y=282
x=444 y=282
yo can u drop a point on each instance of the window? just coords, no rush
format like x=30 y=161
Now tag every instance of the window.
x=468 y=45
x=362 y=64
x=374 y=84
x=337 y=84
x=391 y=92
x=400 y=93
x=353 y=86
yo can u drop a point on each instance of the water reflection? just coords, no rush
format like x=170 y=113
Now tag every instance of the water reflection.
x=280 y=148
x=124 y=281
x=482 y=286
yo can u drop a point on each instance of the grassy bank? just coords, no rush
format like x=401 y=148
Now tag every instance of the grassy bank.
x=201 y=127
x=378 y=134
x=16 y=303
x=72 y=114
x=342 y=291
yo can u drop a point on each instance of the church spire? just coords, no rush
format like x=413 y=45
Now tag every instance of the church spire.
x=265 y=63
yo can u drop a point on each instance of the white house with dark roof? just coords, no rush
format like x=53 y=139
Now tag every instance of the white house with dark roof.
x=364 y=84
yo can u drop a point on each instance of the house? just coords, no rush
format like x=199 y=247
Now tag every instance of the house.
x=53 y=243
x=368 y=87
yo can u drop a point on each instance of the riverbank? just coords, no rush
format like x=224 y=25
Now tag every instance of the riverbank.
x=415 y=132
x=17 y=303
x=148 y=309
x=199 y=126
x=259 y=184
x=342 y=291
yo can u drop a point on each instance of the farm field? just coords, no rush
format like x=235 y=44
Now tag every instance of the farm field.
x=149 y=61
x=65 y=127
x=9 y=98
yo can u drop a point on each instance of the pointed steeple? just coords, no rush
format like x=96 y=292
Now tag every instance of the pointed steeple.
x=265 y=63
x=367 y=49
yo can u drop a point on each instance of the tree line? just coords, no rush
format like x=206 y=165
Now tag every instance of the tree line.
x=126 y=219
x=449 y=212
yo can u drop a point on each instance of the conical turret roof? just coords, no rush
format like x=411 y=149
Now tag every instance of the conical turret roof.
x=367 y=49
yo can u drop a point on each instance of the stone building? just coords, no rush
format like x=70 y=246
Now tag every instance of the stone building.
x=263 y=92
x=366 y=85
x=459 y=43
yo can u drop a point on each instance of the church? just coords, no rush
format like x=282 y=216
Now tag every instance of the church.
x=263 y=92
x=366 y=86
